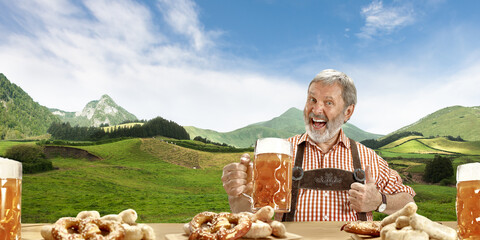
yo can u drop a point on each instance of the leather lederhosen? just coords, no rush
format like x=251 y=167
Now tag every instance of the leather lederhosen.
x=324 y=179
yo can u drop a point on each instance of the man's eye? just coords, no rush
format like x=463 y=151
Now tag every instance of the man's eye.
x=329 y=103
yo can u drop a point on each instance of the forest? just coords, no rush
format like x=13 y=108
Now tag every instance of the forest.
x=154 y=127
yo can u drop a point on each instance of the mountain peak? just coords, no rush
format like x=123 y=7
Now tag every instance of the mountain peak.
x=105 y=97
x=96 y=113
x=293 y=111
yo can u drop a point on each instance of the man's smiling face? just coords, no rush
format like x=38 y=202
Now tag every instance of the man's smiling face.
x=324 y=112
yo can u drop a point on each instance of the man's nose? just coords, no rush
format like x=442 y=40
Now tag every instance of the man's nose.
x=318 y=108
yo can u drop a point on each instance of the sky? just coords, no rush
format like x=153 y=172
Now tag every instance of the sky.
x=225 y=64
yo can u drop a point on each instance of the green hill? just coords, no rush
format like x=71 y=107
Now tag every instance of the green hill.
x=439 y=145
x=286 y=125
x=451 y=121
x=400 y=141
x=20 y=116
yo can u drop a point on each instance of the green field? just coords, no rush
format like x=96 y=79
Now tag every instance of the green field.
x=4 y=145
x=127 y=177
x=399 y=142
x=414 y=146
x=468 y=148
x=168 y=183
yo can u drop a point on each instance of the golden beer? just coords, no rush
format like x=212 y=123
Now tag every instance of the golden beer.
x=10 y=199
x=468 y=209
x=468 y=201
x=272 y=175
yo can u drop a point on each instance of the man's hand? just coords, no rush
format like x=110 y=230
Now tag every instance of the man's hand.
x=237 y=177
x=365 y=197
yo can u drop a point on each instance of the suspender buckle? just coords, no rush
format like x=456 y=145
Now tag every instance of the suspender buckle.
x=359 y=175
x=297 y=173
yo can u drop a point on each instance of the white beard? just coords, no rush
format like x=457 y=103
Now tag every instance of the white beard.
x=332 y=128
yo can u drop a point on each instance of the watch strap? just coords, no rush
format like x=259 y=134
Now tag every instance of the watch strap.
x=384 y=202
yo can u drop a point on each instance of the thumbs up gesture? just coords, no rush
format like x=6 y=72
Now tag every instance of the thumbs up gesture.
x=365 y=197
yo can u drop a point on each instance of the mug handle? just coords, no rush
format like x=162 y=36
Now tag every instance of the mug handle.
x=250 y=199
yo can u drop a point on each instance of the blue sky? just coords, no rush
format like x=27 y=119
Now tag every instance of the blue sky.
x=222 y=65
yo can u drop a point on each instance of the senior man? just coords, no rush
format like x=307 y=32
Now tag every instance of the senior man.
x=325 y=151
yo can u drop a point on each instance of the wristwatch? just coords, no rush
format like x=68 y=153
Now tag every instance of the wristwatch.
x=383 y=205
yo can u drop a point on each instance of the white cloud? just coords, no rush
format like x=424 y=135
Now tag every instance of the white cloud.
x=380 y=20
x=390 y=99
x=182 y=16
x=70 y=54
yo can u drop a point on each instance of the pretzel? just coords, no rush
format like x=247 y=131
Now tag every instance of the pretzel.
x=371 y=228
x=227 y=226
x=89 y=225
x=95 y=228
x=67 y=228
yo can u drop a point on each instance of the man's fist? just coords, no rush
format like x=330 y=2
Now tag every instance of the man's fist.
x=237 y=177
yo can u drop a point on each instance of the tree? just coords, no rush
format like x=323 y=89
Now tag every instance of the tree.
x=437 y=169
x=32 y=158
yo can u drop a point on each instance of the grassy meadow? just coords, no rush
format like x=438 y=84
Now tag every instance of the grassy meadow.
x=164 y=182
x=131 y=175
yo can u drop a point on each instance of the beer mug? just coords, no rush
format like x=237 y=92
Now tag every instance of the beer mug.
x=272 y=174
x=10 y=199
x=468 y=201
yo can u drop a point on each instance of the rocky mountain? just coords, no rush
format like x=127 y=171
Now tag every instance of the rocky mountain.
x=95 y=113
x=20 y=116
x=450 y=121
x=286 y=125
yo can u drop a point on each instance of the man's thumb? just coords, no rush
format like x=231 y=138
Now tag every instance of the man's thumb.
x=368 y=175
x=245 y=159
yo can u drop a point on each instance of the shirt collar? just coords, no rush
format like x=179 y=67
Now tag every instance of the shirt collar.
x=343 y=139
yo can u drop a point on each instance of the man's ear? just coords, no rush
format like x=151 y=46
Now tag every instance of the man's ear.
x=348 y=112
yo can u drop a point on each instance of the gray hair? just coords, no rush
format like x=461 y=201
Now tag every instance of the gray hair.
x=330 y=77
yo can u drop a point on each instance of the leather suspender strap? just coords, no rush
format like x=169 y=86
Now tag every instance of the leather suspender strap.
x=299 y=181
x=297 y=175
x=357 y=165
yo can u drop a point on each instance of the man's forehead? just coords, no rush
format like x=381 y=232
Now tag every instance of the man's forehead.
x=318 y=88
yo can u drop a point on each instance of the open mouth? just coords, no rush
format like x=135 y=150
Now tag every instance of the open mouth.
x=318 y=123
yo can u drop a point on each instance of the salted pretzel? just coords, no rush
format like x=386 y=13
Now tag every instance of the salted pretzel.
x=67 y=228
x=212 y=226
x=89 y=228
x=100 y=229
x=371 y=228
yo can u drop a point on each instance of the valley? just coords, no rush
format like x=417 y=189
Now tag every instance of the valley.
x=165 y=182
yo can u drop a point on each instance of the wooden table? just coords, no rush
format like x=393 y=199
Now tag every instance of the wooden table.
x=308 y=230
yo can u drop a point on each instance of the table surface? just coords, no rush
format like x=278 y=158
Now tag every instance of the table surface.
x=308 y=230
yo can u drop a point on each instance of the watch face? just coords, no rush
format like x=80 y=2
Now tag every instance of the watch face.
x=382 y=207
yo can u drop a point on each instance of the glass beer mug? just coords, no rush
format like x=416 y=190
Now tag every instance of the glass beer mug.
x=272 y=174
x=468 y=201
x=10 y=199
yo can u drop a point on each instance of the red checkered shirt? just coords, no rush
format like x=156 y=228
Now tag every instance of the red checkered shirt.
x=320 y=205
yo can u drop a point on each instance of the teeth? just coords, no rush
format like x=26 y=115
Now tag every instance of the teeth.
x=318 y=121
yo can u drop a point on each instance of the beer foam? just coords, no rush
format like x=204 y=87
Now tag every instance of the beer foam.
x=468 y=172
x=10 y=168
x=273 y=145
